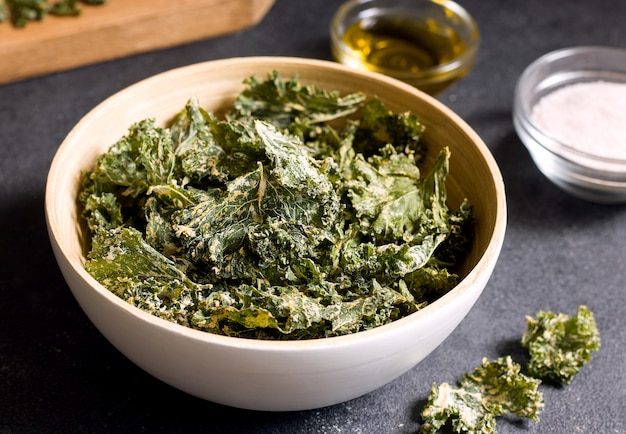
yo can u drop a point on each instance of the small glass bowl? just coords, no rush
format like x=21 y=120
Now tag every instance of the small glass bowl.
x=584 y=175
x=443 y=17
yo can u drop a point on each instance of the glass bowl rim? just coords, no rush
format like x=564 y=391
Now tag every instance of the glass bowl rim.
x=426 y=75
x=522 y=106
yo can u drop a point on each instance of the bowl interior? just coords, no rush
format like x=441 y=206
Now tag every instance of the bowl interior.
x=473 y=173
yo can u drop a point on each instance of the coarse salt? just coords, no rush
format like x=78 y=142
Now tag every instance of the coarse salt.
x=589 y=117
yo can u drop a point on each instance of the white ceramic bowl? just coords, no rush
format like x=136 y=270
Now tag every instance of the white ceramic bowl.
x=270 y=375
x=587 y=176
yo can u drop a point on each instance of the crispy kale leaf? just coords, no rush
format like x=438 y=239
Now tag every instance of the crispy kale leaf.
x=136 y=272
x=559 y=344
x=380 y=127
x=270 y=224
x=287 y=104
x=495 y=388
x=20 y=12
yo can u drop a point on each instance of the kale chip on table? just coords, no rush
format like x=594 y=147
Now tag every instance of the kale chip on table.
x=495 y=388
x=559 y=344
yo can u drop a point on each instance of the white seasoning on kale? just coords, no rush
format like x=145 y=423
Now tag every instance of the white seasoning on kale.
x=589 y=117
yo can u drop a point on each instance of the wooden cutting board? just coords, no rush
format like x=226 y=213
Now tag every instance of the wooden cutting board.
x=117 y=29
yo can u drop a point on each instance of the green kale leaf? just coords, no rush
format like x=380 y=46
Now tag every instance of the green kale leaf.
x=295 y=312
x=20 y=12
x=379 y=127
x=198 y=150
x=495 y=388
x=136 y=272
x=559 y=344
x=144 y=157
x=65 y=8
x=290 y=105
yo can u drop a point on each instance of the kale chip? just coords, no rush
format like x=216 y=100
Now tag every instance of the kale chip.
x=559 y=344
x=494 y=388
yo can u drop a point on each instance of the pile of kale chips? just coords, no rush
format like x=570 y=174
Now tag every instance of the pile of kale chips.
x=274 y=223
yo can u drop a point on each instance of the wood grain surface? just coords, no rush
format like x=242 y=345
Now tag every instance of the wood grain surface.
x=117 y=29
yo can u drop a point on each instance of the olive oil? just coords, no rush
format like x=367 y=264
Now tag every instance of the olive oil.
x=404 y=46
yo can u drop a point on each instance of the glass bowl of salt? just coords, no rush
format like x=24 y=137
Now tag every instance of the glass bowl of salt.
x=570 y=112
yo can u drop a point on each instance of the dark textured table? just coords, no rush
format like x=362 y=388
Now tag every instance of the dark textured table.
x=58 y=374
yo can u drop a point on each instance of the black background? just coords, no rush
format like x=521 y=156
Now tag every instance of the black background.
x=58 y=374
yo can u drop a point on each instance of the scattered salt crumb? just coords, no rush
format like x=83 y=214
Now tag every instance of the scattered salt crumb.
x=590 y=117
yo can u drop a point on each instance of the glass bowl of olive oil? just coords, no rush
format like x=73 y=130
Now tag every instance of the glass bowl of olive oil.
x=429 y=44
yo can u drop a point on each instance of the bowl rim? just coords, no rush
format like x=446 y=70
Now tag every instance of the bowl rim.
x=484 y=265
x=523 y=109
x=436 y=74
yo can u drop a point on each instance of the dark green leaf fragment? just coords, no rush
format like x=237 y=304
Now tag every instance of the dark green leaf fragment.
x=23 y=11
x=289 y=104
x=136 y=272
x=559 y=344
x=196 y=145
x=495 y=388
x=65 y=8
x=102 y=211
x=141 y=159
x=20 y=12
x=380 y=127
